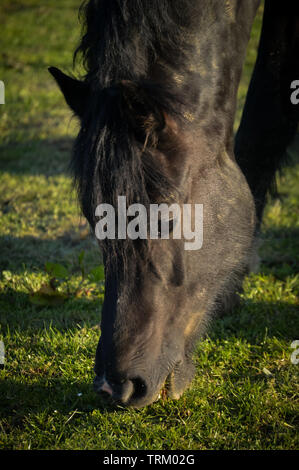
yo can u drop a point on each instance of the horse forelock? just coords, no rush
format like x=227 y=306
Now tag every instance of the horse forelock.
x=119 y=146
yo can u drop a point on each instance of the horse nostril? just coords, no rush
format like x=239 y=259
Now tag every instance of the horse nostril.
x=140 y=388
x=125 y=391
x=130 y=390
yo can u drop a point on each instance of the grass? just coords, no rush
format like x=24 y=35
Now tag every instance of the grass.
x=245 y=394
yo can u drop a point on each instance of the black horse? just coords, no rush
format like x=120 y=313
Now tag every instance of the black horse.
x=157 y=108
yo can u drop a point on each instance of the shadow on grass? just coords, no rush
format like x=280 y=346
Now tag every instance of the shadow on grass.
x=32 y=252
x=280 y=251
x=18 y=314
x=56 y=395
x=47 y=157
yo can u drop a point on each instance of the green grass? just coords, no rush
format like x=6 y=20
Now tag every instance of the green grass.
x=245 y=394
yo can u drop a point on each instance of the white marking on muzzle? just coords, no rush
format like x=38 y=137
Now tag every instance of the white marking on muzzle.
x=106 y=388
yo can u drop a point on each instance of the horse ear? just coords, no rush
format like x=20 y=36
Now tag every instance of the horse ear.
x=75 y=92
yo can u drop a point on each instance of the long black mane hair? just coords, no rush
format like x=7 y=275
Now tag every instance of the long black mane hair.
x=123 y=39
x=132 y=51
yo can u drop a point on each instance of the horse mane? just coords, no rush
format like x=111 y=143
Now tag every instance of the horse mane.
x=122 y=39
x=126 y=124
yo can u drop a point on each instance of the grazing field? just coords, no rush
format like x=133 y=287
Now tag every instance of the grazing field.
x=246 y=391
